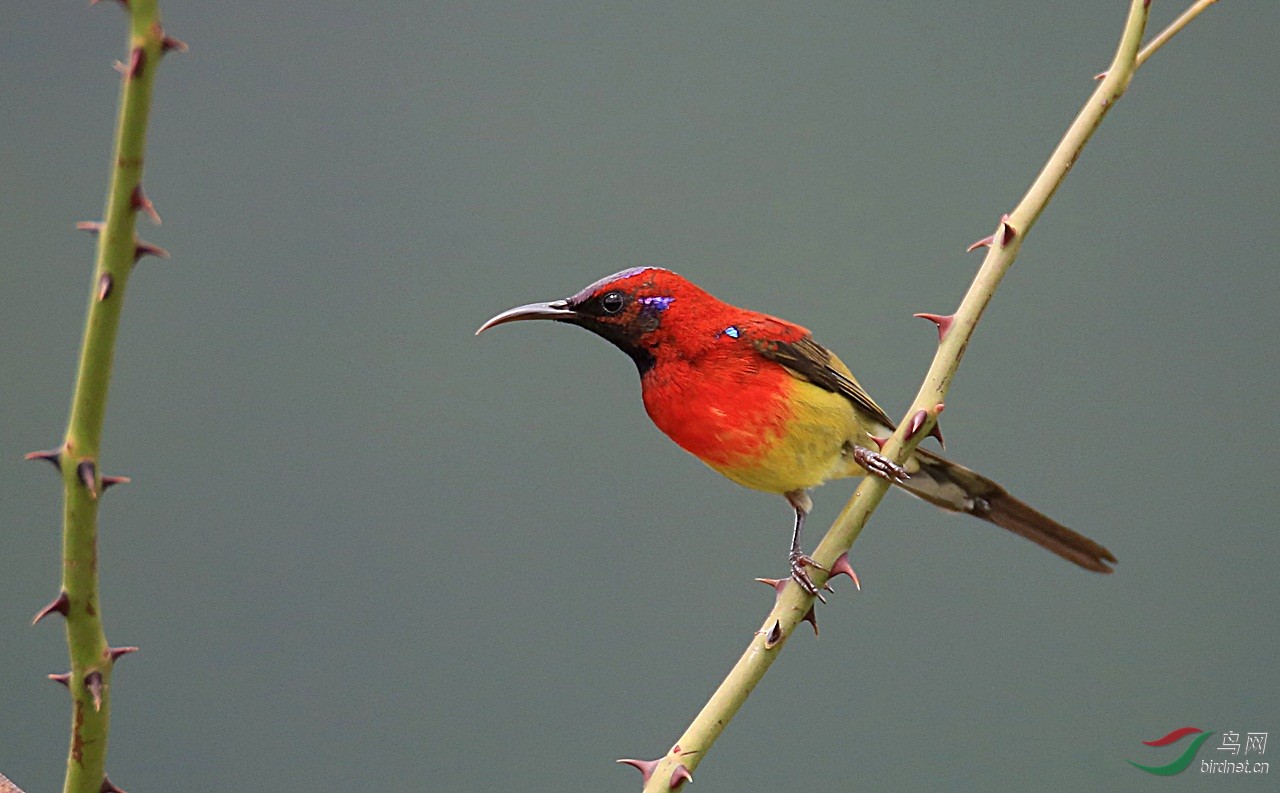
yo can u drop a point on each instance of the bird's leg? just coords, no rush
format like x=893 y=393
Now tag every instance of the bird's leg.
x=879 y=465
x=801 y=503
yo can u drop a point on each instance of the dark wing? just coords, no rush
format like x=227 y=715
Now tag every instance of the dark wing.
x=809 y=360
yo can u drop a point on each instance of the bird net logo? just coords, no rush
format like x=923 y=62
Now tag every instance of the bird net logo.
x=1239 y=756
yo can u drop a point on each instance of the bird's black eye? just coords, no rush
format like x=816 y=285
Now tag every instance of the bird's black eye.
x=612 y=302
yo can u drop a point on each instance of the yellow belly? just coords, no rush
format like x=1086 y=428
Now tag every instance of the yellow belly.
x=811 y=447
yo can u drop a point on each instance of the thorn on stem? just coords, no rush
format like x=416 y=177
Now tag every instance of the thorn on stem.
x=108 y=481
x=679 y=777
x=773 y=636
x=93 y=682
x=115 y=653
x=141 y=248
x=985 y=242
x=943 y=322
x=139 y=201
x=87 y=473
x=105 y=284
x=61 y=605
x=842 y=567
x=778 y=584
x=811 y=617
x=645 y=767
x=63 y=679
x=171 y=44
x=123 y=3
x=915 y=423
x=108 y=786
x=1006 y=231
x=936 y=432
x=51 y=456
x=137 y=57
x=880 y=442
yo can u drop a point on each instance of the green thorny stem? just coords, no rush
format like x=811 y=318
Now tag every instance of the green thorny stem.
x=92 y=659
x=793 y=604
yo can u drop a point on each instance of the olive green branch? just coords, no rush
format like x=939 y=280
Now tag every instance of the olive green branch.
x=79 y=457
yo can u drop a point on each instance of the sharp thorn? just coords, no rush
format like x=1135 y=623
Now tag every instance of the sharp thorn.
x=51 y=456
x=61 y=604
x=1100 y=76
x=108 y=786
x=93 y=682
x=679 y=777
x=1006 y=231
x=936 y=432
x=778 y=585
x=108 y=481
x=115 y=653
x=63 y=679
x=943 y=322
x=915 y=423
x=170 y=44
x=645 y=767
x=773 y=636
x=141 y=249
x=139 y=201
x=87 y=473
x=811 y=617
x=880 y=442
x=985 y=242
x=136 y=60
x=842 y=567
x=105 y=284
x=91 y=226
x=123 y=3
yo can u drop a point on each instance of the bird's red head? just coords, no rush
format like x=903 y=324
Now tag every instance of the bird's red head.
x=638 y=310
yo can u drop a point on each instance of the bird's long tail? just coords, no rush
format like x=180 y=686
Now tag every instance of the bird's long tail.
x=958 y=489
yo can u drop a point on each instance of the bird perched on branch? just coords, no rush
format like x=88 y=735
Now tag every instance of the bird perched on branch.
x=758 y=400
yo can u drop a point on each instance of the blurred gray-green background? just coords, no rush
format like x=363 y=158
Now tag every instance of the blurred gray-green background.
x=364 y=549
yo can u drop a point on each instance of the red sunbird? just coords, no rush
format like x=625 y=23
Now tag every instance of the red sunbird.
x=758 y=400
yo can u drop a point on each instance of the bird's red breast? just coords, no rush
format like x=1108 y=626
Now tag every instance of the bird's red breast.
x=726 y=408
x=713 y=393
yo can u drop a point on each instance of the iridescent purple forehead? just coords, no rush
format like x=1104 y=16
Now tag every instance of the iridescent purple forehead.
x=652 y=305
x=586 y=293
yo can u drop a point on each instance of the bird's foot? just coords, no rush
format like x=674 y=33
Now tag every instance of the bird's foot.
x=880 y=465
x=799 y=561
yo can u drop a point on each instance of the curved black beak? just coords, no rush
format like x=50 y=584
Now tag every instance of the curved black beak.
x=555 y=309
